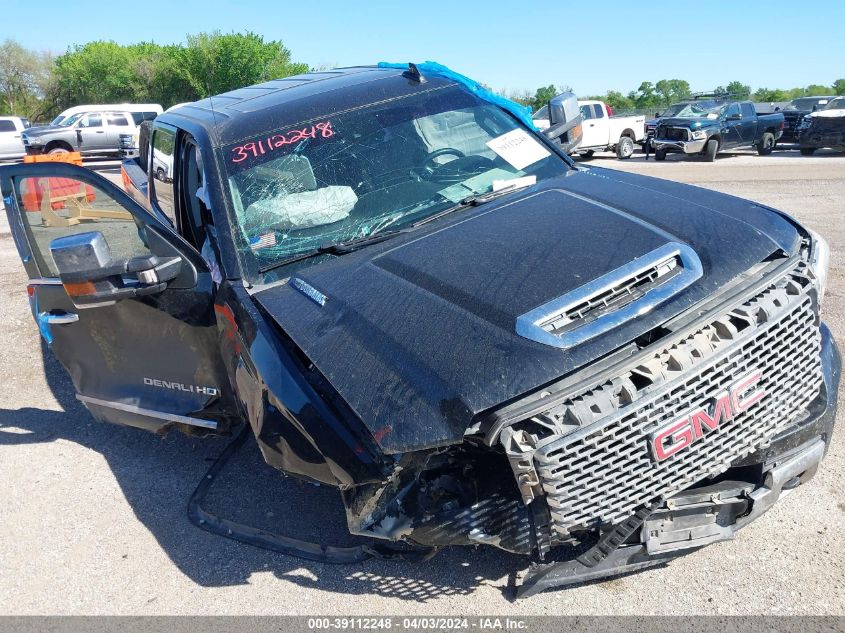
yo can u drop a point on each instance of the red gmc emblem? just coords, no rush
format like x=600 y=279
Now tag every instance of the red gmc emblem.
x=685 y=431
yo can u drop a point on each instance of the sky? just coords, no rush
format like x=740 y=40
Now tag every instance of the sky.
x=591 y=46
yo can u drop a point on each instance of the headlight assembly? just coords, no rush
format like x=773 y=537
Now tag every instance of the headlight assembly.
x=699 y=135
x=819 y=260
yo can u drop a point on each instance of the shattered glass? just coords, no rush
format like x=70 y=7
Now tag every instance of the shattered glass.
x=358 y=172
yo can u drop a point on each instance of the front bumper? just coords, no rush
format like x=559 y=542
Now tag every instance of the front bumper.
x=685 y=147
x=701 y=516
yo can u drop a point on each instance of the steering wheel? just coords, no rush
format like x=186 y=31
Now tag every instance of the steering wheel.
x=443 y=151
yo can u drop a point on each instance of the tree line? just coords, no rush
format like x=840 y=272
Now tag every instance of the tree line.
x=38 y=85
x=655 y=96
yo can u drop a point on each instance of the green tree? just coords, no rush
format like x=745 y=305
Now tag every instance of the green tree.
x=645 y=97
x=618 y=101
x=24 y=78
x=543 y=96
x=738 y=90
x=764 y=94
x=815 y=90
x=97 y=72
x=839 y=87
x=216 y=62
x=672 y=90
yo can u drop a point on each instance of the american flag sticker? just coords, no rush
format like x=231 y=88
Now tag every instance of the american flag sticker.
x=262 y=241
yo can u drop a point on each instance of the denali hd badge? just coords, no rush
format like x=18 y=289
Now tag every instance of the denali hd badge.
x=691 y=427
x=180 y=386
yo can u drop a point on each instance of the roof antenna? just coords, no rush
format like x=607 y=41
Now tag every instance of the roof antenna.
x=413 y=73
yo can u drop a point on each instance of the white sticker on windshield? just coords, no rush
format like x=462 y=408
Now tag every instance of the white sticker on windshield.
x=518 y=148
x=514 y=183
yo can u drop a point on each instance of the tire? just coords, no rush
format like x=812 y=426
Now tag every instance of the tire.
x=625 y=148
x=660 y=154
x=56 y=151
x=587 y=155
x=766 y=145
x=711 y=150
x=807 y=151
x=160 y=174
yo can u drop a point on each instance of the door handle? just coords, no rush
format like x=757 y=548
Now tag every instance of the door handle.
x=101 y=132
x=61 y=319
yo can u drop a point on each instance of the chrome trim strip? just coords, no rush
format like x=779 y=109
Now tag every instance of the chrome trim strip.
x=61 y=319
x=308 y=290
x=45 y=281
x=130 y=408
x=528 y=325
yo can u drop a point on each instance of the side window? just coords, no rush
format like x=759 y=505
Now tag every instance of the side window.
x=115 y=119
x=732 y=110
x=748 y=111
x=56 y=207
x=149 y=116
x=138 y=117
x=598 y=110
x=164 y=143
x=586 y=112
x=7 y=126
x=91 y=120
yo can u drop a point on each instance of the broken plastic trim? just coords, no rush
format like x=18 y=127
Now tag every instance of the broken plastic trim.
x=264 y=539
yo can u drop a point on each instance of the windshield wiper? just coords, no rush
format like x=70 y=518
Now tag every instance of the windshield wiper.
x=338 y=248
x=471 y=201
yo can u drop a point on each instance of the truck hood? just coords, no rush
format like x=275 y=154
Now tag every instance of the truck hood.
x=44 y=130
x=418 y=333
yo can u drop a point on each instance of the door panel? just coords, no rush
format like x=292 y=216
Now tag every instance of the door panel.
x=748 y=125
x=593 y=128
x=146 y=361
x=731 y=130
x=91 y=133
x=11 y=144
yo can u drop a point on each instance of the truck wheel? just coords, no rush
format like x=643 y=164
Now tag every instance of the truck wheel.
x=711 y=150
x=807 y=151
x=624 y=148
x=767 y=144
x=160 y=174
x=587 y=155
x=660 y=154
x=57 y=150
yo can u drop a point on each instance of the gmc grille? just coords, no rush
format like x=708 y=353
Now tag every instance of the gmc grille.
x=603 y=472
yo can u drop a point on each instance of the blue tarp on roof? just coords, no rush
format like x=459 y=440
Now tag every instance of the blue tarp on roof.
x=521 y=112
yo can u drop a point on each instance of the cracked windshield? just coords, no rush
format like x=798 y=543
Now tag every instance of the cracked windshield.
x=375 y=169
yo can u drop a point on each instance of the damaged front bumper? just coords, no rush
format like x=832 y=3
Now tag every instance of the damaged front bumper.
x=708 y=514
x=685 y=147
x=467 y=495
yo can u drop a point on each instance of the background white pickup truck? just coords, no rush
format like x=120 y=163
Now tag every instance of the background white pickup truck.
x=603 y=131
x=11 y=145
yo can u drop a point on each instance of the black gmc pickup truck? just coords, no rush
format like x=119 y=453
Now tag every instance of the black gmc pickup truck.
x=408 y=293
x=721 y=127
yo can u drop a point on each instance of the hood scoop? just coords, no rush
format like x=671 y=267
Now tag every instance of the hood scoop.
x=612 y=299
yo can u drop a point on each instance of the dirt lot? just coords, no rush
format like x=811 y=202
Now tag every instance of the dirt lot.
x=92 y=517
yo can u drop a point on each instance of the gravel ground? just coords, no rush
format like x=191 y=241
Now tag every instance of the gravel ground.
x=92 y=517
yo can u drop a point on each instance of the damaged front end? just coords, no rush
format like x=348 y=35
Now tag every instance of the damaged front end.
x=675 y=442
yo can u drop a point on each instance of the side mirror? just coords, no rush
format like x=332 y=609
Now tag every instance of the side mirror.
x=565 y=121
x=92 y=278
x=735 y=117
x=656 y=115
